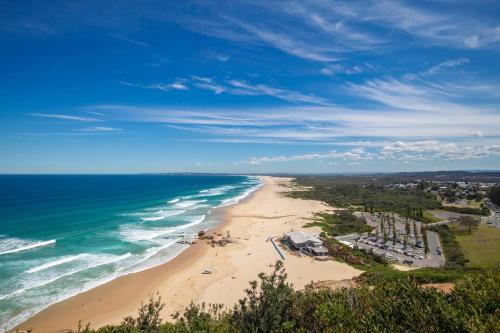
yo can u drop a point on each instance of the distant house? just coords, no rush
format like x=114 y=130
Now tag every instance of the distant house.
x=305 y=242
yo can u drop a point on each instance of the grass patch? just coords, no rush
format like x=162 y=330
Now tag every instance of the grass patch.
x=482 y=247
x=340 y=223
x=429 y=217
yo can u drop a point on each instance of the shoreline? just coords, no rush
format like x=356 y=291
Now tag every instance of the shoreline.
x=264 y=212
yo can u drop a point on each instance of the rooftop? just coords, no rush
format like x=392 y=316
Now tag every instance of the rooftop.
x=299 y=237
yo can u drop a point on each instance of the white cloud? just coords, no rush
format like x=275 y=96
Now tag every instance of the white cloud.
x=355 y=154
x=430 y=150
x=129 y=40
x=400 y=151
x=446 y=65
x=324 y=31
x=334 y=69
x=64 y=117
x=100 y=129
x=234 y=87
x=177 y=85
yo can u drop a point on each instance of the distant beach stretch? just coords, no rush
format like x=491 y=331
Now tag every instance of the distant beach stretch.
x=250 y=224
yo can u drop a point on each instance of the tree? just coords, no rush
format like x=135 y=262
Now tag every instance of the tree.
x=148 y=319
x=266 y=309
x=467 y=221
x=494 y=195
x=394 y=235
x=415 y=231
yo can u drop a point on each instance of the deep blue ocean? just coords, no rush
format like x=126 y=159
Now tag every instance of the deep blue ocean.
x=63 y=234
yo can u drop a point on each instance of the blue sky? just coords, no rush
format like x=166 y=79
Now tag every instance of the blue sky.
x=249 y=86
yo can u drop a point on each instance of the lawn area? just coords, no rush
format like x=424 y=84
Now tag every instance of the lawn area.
x=482 y=246
x=429 y=216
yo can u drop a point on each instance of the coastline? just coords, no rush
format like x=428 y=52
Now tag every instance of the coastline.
x=264 y=213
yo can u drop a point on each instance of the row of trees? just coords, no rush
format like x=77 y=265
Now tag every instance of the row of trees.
x=388 y=229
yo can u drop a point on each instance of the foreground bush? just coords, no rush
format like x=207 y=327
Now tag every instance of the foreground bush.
x=272 y=305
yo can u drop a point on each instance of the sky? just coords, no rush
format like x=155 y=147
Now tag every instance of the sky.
x=249 y=86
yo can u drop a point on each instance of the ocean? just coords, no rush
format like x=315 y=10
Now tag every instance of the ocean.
x=61 y=235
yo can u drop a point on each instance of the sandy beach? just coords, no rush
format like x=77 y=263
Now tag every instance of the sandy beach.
x=250 y=223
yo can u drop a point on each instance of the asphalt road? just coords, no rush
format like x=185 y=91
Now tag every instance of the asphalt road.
x=434 y=259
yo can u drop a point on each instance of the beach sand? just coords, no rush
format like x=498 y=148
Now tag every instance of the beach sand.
x=268 y=212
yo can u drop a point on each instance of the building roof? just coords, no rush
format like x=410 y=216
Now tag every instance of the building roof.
x=319 y=249
x=298 y=237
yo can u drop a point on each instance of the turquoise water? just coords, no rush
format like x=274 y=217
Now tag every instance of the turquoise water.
x=63 y=234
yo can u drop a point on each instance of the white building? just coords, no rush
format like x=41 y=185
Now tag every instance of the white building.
x=305 y=242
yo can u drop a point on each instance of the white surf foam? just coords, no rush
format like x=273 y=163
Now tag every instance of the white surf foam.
x=133 y=233
x=14 y=245
x=57 y=262
x=162 y=214
x=152 y=251
x=173 y=201
x=188 y=203
x=235 y=200
x=94 y=262
x=195 y=220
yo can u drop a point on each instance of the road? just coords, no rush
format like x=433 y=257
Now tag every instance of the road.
x=434 y=259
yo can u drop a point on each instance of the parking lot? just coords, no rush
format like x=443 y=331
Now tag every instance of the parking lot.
x=412 y=255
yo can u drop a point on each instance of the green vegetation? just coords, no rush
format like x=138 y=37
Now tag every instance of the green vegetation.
x=482 y=247
x=494 y=195
x=468 y=210
x=379 y=274
x=455 y=258
x=430 y=217
x=399 y=305
x=368 y=193
x=340 y=223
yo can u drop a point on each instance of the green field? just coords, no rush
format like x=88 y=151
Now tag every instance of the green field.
x=482 y=246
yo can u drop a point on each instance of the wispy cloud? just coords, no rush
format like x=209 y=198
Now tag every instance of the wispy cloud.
x=323 y=31
x=234 y=87
x=446 y=65
x=129 y=40
x=176 y=85
x=64 y=117
x=334 y=69
x=97 y=129
x=386 y=109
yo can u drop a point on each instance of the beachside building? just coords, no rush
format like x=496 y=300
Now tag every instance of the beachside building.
x=305 y=242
